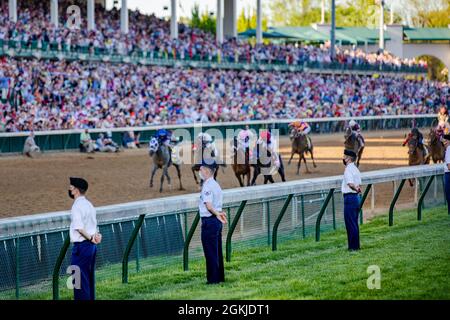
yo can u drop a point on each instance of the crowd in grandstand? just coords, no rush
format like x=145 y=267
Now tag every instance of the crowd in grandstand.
x=150 y=36
x=49 y=95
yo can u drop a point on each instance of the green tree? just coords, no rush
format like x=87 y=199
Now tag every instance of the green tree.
x=203 y=21
x=352 y=13
x=248 y=21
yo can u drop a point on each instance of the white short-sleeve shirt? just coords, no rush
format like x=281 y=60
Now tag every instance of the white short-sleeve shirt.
x=351 y=175
x=82 y=216
x=447 y=159
x=212 y=193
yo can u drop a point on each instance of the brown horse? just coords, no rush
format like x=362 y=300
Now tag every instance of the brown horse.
x=415 y=155
x=300 y=146
x=436 y=147
x=354 y=142
x=241 y=162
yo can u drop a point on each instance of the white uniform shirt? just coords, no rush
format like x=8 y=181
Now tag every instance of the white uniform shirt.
x=82 y=216
x=447 y=159
x=351 y=175
x=212 y=193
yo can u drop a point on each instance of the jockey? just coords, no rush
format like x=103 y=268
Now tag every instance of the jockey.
x=443 y=126
x=418 y=135
x=266 y=137
x=244 y=137
x=304 y=129
x=357 y=129
x=207 y=142
x=174 y=150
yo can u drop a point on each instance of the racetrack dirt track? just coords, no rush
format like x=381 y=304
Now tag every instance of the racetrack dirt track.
x=31 y=186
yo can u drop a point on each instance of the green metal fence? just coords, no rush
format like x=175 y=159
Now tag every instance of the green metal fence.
x=34 y=265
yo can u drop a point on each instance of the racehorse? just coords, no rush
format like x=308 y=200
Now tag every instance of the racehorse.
x=354 y=142
x=241 y=161
x=208 y=150
x=300 y=147
x=265 y=164
x=437 y=149
x=160 y=154
x=415 y=155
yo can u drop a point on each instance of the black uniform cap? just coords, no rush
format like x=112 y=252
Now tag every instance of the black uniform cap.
x=79 y=183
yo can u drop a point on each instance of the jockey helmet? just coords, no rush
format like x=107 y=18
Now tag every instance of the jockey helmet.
x=162 y=133
x=352 y=123
x=265 y=135
x=243 y=134
x=443 y=110
x=205 y=137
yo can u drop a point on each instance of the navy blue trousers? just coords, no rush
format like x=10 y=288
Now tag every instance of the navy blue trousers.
x=83 y=256
x=447 y=190
x=351 y=212
x=212 y=247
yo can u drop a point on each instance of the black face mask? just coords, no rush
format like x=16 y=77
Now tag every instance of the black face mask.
x=71 y=195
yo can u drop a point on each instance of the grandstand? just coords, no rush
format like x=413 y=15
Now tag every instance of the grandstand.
x=69 y=90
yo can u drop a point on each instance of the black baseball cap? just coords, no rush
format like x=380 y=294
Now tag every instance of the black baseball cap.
x=79 y=183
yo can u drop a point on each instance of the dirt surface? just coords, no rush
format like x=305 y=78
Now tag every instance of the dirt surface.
x=31 y=186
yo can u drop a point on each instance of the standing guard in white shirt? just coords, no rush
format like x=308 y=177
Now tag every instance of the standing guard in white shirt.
x=213 y=218
x=351 y=188
x=84 y=237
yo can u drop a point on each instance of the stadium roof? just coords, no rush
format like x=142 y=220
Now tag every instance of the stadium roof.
x=300 y=33
x=430 y=34
x=345 y=35
x=252 y=33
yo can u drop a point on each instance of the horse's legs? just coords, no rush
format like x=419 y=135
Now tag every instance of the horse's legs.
x=238 y=176
x=312 y=158
x=281 y=170
x=270 y=178
x=256 y=173
x=306 y=166
x=162 y=180
x=177 y=167
x=359 y=156
x=193 y=172
x=248 y=177
x=166 y=173
x=215 y=173
x=299 y=164
x=152 y=175
x=292 y=155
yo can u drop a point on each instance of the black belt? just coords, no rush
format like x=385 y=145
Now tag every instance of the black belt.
x=80 y=242
x=204 y=218
x=350 y=193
